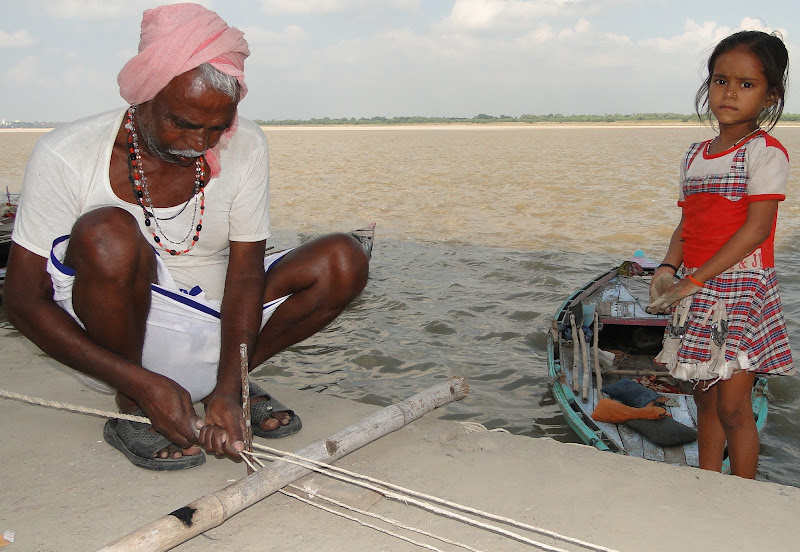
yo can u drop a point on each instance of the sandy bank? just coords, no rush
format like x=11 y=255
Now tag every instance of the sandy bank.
x=64 y=489
x=25 y=129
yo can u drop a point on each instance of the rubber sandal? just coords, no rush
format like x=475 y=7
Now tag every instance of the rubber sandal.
x=139 y=445
x=262 y=410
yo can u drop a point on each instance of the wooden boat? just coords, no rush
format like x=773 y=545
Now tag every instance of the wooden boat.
x=366 y=237
x=624 y=331
x=8 y=209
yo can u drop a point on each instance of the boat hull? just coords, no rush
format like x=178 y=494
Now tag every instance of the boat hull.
x=619 y=302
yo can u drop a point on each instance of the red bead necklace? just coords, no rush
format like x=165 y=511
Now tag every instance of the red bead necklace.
x=142 y=194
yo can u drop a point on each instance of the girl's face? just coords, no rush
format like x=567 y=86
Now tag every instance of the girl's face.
x=739 y=89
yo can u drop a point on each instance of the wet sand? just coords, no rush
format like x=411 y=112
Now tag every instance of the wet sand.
x=63 y=488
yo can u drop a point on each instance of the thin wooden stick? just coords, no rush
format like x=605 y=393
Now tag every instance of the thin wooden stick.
x=586 y=372
x=596 y=350
x=576 y=352
x=213 y=509
x=248 y=426
x=636 y=373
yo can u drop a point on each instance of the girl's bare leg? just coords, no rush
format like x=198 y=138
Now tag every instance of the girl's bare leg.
x=735 y=410
x=710 y=433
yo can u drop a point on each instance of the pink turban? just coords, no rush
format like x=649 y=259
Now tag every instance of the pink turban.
x=177 y=38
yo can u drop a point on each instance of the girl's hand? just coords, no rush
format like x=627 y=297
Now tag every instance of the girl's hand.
x=671 y=296
x=662 y=280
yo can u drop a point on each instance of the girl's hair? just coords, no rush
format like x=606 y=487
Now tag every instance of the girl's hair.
x=770 y=50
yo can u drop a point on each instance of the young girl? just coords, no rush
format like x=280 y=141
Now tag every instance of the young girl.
x=728 y=326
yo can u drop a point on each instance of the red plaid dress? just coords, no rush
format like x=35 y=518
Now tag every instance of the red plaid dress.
x=756 y=338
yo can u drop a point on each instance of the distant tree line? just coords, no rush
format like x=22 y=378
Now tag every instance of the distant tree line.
x=483 y=118
x=27 y=124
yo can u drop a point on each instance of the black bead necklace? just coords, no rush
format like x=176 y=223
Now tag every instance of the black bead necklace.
x=142 y=194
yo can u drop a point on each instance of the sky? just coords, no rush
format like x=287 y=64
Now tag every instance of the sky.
x=59 y=59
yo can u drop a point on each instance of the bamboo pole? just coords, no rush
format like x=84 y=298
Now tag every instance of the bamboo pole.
x=636 y=372
x=576 y=352
x=596 y=350
x=587 y=374
x=213 y=509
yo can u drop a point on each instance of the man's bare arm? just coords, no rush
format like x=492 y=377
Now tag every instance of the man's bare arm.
x=30 y=308
x=241 y=321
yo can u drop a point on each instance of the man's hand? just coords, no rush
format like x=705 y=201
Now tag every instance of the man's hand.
x=223 y=434
x=671 y=296
x=169 y=407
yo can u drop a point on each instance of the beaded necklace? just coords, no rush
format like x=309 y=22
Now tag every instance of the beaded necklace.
x=142 y=194
x=736 y=143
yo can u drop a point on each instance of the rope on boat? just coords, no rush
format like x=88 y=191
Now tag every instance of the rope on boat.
x=403 y=495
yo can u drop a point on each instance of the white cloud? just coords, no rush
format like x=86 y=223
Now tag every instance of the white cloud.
x=25 y=71
x=329 y=7
x=395 y=57
x=754 y=24
x=15 y=39
x=103 y=9
x=275 y=50
x=694 y=38
x=290 y=35
x=498 y=15
x=540 y=35
x=581 y=27
x=475 y=14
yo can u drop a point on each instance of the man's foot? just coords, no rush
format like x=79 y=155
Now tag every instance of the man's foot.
x=269 y=417
x=170 y=450
x=174 y=451
x=147 y=449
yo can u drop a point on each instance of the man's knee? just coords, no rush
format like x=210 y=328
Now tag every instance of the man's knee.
x=110 y=222
x=348 y=262
x=108 y=240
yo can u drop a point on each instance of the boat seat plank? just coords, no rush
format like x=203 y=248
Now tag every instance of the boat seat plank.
x=610 y=292
x=682 y=413
x=623 y=309
x=674 y=455
x=652 y=451
x=624 y=294
x=622 y=297
x=612 y=432
x=638 y=310
x=692 y=407
x=632 y=440
x=604 y=308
